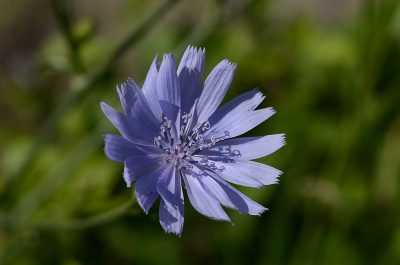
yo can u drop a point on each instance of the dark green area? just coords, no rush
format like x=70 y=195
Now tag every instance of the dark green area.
x=331 y=69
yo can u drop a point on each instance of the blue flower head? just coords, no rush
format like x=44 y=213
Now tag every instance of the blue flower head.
x=174 y=136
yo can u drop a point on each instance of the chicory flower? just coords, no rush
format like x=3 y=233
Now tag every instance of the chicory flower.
x=174 y=136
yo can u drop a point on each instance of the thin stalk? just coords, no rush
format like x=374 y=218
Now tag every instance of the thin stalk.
x=64 y=21
x=77 y=224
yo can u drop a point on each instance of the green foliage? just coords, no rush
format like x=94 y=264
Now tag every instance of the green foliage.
x=333 y=77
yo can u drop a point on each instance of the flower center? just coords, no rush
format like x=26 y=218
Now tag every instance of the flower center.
x=179 y=147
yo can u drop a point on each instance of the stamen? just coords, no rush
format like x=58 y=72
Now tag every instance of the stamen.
x=179 y=146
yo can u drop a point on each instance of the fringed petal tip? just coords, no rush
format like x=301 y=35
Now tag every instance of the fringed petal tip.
x=258 y=213
x=103 y=106
x=283 y=139
x=261 y=212
x=128 y=184
x=280 y=141
x=127 y=180
x=228 y=220
x=125 y=84
x=194 y=49
x=227 y=63
x=272 y=111
x=257 y=90
x=168 y=56
x=174 y=230
x=178 y=234
x=169 y=230
x=259 y=95
x=146 y=211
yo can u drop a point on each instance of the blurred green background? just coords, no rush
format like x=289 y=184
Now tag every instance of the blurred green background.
x=330 y=68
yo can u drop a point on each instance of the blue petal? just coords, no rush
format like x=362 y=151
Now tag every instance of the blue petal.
x=168 y=88
x=243 y=172
x=237 y=122
x=246 y=148
x=190 y=82
x=229 y=196
x=137 y=105
x=190 y=73
x=128 y=175
x=172 y=203
x=117 y=148
x=171 y=111
x=150 y=89
x=140 y=165
x=193 y=58
x=215 y=88
x=201 y=200
x=146 y=189
x=138 y=125
x=127 y=97
x=247 y=101
x=138 y=161
x=123 y=124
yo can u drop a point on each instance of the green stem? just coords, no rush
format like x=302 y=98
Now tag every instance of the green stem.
x=93 y=221
x=63 y=19
x=81 y=91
